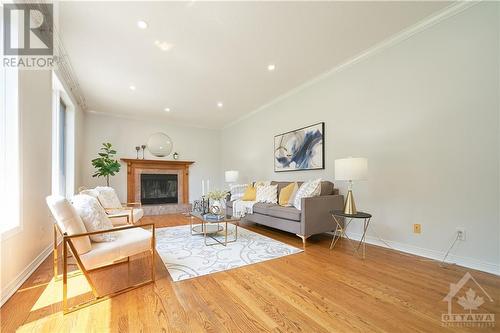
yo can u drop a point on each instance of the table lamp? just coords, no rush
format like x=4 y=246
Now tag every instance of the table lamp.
x=351 y=169
x=231 y=176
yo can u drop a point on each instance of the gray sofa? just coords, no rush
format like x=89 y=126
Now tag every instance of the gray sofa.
x=314 y=218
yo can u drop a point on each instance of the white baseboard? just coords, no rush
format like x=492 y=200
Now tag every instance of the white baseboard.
x=12 y=287
x=431 y=254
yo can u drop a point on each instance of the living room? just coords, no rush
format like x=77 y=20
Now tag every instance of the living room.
x=250 y=166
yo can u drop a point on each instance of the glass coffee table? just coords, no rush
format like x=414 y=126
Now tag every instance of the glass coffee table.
x=212 y=228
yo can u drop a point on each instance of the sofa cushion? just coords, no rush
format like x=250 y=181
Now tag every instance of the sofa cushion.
x=289 y=213
x=261 y=207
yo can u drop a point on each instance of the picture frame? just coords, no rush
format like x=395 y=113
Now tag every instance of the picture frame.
x=301 y=149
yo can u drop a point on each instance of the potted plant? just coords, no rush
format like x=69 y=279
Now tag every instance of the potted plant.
x=217 y=196
x=105 y=164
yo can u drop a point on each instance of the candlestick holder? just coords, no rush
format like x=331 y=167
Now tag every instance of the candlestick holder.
x=143 y=148
x=137 y=148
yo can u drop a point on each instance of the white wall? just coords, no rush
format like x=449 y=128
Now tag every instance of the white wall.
x=425 y=112
x=193 y=144
x=24 y=250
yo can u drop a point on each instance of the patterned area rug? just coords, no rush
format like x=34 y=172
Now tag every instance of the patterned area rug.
x=186 y=256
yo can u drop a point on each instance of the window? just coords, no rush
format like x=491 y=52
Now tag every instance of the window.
x=63 y=140
x=9 y=150
x=62 y=146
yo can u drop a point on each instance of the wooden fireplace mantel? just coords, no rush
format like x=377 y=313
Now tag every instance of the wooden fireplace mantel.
x=134 y=164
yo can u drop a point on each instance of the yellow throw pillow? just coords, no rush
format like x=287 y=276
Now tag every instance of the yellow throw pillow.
x=250 y=194
x=286 y=194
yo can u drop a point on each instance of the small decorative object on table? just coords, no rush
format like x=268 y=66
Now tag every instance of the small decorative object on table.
x=143 y=148
x=216 y=197
x=137 y=148
x=176 y=156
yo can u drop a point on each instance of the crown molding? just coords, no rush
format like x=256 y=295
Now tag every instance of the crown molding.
x=403 y=35
x=149 y=118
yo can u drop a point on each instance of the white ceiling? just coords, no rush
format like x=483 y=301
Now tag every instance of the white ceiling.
x=220 y=51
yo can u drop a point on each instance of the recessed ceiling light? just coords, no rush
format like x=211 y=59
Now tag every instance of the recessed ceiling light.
x=166 y=109
x=219 y=104
x=271 y=67
x=142 y=25
x=132 y=87
x=164 y=46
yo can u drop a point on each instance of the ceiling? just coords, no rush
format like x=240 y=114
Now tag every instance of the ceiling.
x=217 y=51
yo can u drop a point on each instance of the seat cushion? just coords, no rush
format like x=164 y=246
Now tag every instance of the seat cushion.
x=69 y=221
x=128 y=243
x=261 y=208
x=289 y=213
x=138 y=213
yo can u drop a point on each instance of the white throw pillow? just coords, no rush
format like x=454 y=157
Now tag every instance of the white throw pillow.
x=93 y=216
x=237 y=191
x=262 y=183
x=108 y=197
x=308 y=189
x=268 y=194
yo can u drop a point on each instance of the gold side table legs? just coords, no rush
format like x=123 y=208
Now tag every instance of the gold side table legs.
x=341 y=232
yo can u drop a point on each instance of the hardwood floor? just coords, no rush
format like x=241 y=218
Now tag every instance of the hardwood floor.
x=319 y=290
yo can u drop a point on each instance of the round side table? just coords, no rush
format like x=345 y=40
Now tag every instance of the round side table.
x=340 y=230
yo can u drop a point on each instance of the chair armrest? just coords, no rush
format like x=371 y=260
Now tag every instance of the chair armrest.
x=315 y=217
x=152 y=225
x=127 y=215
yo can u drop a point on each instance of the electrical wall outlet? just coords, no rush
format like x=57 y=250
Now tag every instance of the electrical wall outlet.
x=461 y=233
x=417 y=228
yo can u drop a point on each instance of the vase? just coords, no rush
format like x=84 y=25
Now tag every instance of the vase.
x=216 y=207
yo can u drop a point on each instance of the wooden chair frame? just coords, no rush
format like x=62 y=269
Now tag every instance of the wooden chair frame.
x=67 y=242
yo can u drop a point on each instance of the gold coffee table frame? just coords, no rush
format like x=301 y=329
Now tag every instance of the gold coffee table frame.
x=211 y=228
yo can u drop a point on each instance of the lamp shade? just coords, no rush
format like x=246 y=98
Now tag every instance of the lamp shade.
x=351 y=168
x=231 y=176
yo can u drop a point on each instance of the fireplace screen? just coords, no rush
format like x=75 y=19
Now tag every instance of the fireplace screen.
x=158 y=189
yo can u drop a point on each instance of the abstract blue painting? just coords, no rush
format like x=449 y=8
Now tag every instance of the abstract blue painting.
x=302 y=149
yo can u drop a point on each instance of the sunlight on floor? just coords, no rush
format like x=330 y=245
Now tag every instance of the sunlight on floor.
x=77 y=285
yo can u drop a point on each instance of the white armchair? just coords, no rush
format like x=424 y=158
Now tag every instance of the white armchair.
x=111 y=203
x=131 y=240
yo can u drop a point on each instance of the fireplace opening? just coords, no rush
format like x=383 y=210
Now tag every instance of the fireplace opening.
x=158 y=189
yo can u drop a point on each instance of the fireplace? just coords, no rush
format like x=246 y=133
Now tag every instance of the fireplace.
x=136 y=169
x=159 y=188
